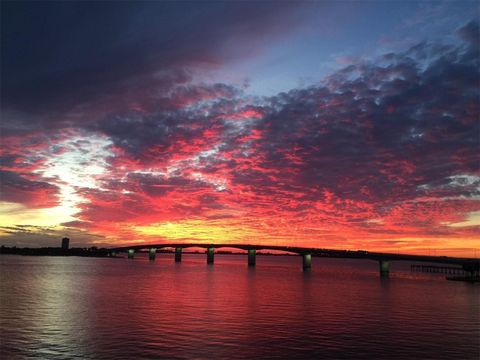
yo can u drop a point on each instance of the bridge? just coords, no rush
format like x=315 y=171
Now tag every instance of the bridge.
x=469 y=265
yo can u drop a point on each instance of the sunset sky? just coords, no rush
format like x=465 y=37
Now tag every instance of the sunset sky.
x=345 y=125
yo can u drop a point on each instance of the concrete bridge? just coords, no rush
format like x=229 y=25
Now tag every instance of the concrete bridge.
x=470 y=265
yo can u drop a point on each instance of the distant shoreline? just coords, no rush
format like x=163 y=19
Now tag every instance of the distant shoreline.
x=55 y=251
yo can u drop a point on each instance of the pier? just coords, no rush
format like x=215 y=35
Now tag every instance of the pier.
x=449 y=270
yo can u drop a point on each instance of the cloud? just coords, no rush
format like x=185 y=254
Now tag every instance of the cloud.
x=18 y=189
x=470 y=33
x=387 y=146
x=379 y=131
x=381 y=148
x=92 y=58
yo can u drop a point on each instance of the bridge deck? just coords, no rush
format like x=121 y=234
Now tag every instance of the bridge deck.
x=470 y=263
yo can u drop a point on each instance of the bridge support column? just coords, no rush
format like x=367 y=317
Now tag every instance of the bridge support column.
x=252 y=257
x=307 y=261
x=152 y=253
x=131 y=252
x=178 y=254
x=210 y=254
x=384 y=268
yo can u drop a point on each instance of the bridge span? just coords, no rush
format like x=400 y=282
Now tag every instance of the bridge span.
x=469 y=265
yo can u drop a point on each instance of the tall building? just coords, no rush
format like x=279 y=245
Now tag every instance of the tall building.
x=65 y=243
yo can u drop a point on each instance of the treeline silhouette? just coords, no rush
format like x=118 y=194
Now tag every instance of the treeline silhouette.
x=55 y=251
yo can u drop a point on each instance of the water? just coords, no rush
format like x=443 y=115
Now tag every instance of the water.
x=93 y=308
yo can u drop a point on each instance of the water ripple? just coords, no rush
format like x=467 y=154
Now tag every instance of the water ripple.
x=65 y=308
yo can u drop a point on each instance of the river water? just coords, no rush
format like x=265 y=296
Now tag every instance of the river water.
x=101 y=308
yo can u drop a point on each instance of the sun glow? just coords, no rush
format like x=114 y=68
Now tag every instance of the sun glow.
x=11 y=213
x=204 y=231
x=69 y=165
x=79 y=165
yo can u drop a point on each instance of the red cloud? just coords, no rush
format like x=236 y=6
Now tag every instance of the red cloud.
x=379 y=155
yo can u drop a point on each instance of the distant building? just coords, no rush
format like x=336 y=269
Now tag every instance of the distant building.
x=65 y=243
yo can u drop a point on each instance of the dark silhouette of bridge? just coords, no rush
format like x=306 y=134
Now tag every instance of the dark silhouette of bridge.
x=469 y=265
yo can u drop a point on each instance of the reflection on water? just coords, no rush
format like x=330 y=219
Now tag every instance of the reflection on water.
x=59 y=307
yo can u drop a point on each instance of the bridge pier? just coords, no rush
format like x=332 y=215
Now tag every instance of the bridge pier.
x=152 y=253
x=210 y=255
x=178 y=254
x=384 y=268
x=252 y=257
x=131 y=252
x=307 y=261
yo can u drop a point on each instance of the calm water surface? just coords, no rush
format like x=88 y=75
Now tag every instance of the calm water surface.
x=87 y=308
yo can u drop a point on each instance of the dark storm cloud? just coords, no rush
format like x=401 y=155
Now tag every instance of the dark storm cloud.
x=57 y=55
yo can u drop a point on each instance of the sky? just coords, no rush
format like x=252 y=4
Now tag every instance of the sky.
x=332 y=124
